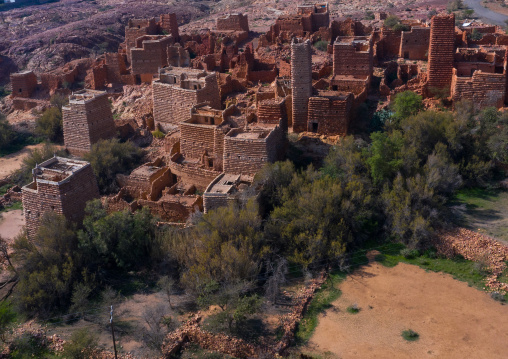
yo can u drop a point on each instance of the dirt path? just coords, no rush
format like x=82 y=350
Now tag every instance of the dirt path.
x=453 y=320
x=12 y=162
x=11 y=223
x=486 y=14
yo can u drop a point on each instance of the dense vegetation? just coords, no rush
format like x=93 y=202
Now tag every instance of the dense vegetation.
x=393 y=188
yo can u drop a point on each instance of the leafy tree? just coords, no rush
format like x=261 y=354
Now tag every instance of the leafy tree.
x=111 y=157
x=59 y=101
x=49 y=268
x=391 y=21
x=271 y=179
x=233 y=301
x=7 y=318
x=167 y=284
x=50 y=125
x=226 y=246
x=385 y=158
x=406 y=104
x=6 y=133
x=321 y=45
x=120 y=239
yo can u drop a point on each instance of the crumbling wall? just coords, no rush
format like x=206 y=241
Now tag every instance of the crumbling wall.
x=348 y=60
x=235 y=22
x=23 y=84
x=191 y=173
x=272 y=111
x=197 y=139
x=482 y=89
x=441 y=49
x=414 y=44
x=150 y=54
x=169 y=25
x=137 y=28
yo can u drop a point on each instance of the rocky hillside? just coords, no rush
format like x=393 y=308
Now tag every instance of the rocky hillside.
x=47 y=36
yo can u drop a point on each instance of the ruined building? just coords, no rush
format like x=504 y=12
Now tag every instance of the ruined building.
x=301 y=82
x=179 y=89
x=60 y=185
x=225 y=189
x=234 y=22
x=441 y=50
x=414 y=44
x=86 y=120
x=23 y=84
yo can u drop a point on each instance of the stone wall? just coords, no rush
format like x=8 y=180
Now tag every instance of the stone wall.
x=330 y=115
x=414 y=44
x=137 y=28
x=235 y=22
x=23 y=84
x=271 y=111
x=192 y=173
x=482 y=89
x=86 y=121
x=301 y=83
x=196 y=139
x=441 y=50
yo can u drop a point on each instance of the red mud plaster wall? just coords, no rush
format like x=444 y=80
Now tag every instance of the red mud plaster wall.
x=23 y=84
x=414 y=44
x=330 y=114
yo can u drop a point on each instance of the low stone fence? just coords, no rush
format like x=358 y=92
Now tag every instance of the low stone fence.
x=476 y=247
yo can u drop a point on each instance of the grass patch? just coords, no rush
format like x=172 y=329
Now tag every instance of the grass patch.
x=353 y=309
x=158 y=134
x=322 y=301
x=14 y=206
x=410 y=335
x=5 y=188
x=194 y=351
x=460 y=268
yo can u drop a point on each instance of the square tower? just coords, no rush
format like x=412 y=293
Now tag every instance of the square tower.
x=301 y=82
x=441 y=50
x=59 y=185
x=86 y=120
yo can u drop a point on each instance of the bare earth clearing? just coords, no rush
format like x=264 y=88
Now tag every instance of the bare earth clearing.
x=453 y=320
x=13 y=162
x=11 y=223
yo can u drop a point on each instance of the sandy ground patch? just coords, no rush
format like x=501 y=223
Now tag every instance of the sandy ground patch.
x=13 y=162
x=11 y=223
x=453 y=320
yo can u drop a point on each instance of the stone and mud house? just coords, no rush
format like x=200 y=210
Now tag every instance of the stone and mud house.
x=178 y=90
x=60 y=185
x=86 y=120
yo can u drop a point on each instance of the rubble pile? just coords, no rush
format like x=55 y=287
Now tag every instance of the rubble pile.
x=476 y=247
x=290 y=321
x=12 y=195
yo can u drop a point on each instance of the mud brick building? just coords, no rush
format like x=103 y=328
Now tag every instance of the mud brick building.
x=481 y=89
x=87 y=119
x=352 y=56
x=149 y=55
x=136 y=28
x=60 y=185
x=441 y=50
x=330 y=113
x=414 y=44
x=202 y=136
x=235 y=22
x=301 y=82
x=178 y=56
x=23 y=84
x=179 y=89
x=169 y=25
x=225 y=189
x=246 y=150
x=271 y=111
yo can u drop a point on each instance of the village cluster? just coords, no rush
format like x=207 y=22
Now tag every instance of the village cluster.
x=225 y=100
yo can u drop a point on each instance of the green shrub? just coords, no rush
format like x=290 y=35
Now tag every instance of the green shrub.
x=321 y=45
x=6 y=133
x=353 y=309
x=158 y=134
x=81 y=345
x=409 y=253
x=111 y=157
x=7 y=318
x=50 y=125
x=498 y=296
x=410 y=335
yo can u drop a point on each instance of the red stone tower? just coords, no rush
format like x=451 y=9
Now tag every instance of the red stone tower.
x=301 y=82
x=441 y=50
